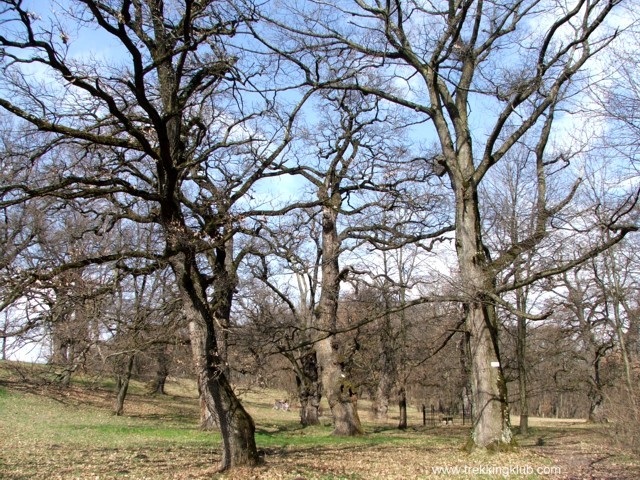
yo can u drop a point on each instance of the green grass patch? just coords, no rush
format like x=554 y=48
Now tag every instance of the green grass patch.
x=38 y=418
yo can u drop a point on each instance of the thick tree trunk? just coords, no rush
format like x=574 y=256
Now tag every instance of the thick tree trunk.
x=491 y=425
x=337 y=388
x=58 y=350
x=596 y=407
x=309 y=390
x=225 y=284
x=596 y=395
x=236 y=425
x=339 y=391
x=75 y=360
x=388 y=372
x=491 y=422
x=208 y=419
x=122 y=384
x=383 y=396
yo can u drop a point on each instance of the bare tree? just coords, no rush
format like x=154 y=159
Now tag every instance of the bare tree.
x=143 y=317
x=283 y=316
x=157 y=134
x=448 y=57
x=590 y=328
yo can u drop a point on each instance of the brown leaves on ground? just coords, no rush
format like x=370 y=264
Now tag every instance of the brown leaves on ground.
x=49 y=432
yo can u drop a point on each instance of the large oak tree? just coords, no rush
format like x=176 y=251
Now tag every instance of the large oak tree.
x=165 y=127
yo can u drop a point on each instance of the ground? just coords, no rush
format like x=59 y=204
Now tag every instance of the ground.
x=49 y=432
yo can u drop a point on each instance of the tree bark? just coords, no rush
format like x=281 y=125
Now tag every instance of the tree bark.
x=309 y=390
x=521 y=356
x=522 y=375
x=337 y=388
x=208 y=418
x=491 y=426
x=491 y=422
x=596 y=407
x=388 y=371
x=339 y=391
x=595 y=394
x=402 y=395
x=383 y=394
x=236 y=425
x=122 y=384
x=162 y=371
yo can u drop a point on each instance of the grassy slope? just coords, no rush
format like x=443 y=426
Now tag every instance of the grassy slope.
x=47 y=433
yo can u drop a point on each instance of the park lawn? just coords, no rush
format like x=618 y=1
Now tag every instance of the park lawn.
x=48 y=432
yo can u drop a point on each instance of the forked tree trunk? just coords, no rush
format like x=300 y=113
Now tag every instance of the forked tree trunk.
x=236 y=425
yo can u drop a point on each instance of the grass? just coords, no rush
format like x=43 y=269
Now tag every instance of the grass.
x=47 y=432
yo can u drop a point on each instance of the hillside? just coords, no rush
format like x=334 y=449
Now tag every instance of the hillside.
x=49 y=432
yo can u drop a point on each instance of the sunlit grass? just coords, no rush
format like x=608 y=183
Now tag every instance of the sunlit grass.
x=48 y=432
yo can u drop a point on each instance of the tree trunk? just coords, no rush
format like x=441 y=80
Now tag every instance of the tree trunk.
x=76 y=357
x=162 y=372
x=383 y=395
x=387 y=371
x=208 y=419
x=58 y=350
x=521 y=350
x=596 y=407
x=491 y=427
x=491 y=423
x=524 y=404
x=402 y=395
x=465 y=395
x=236 y=425
x=596 y=396
x=337 y=388
x=309 y=390
x=122 y=384
x=339 y=391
